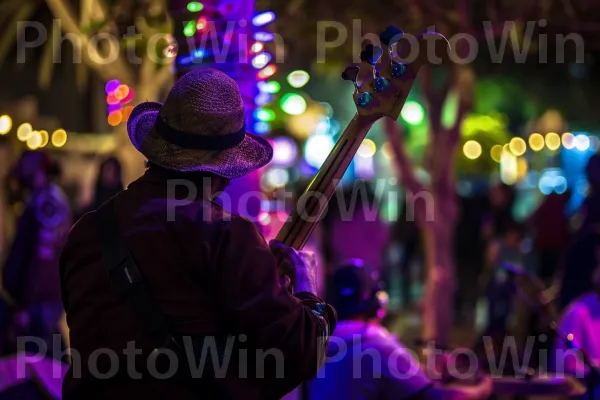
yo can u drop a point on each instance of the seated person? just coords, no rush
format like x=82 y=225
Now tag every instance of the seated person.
x=581 y=324
x=366 y=361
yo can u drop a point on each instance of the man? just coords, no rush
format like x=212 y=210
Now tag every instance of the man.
x=366 y=361
x=211 y=272
x=581 y=324
x=30 y=274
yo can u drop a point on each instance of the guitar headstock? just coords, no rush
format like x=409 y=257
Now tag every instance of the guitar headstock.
x=386 y=74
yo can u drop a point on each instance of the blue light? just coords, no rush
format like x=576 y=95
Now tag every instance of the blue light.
x=263 y=36
x=195 y=56
x=263 y=18
x=261 y=128
x=262 y=99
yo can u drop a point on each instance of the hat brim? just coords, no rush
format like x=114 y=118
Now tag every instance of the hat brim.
x=251 y=154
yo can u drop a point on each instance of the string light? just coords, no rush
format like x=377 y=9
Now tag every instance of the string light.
x=263 y=36
x=257 y=47
x=34 y=141
x=568 y=140
x=24 y=132
x=298 y=79
x=269 y=87
x=496 y=153
x=472 y=149
x=517 y=146
x=45 y=138
x=5 y=124
x=413 y=113
x=293 y=104
x=201 y=23
x=582 y=142
x=367 y=148
x=536 y=142
x=267 y=72
x=264 y=115
x=194 y=6
x=262 y=128
x=261 y=60
x=190 y=29
x=59 y=138
x=263 y=18
x=552 y=141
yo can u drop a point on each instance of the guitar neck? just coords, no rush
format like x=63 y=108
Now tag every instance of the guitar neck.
x=308 y=210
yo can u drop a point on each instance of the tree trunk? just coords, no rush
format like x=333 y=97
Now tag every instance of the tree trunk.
x=440 y=285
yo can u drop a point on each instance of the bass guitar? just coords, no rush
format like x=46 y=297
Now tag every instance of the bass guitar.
x=382 y=82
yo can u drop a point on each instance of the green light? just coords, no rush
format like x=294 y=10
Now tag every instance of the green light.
x=293 y=104
x=272 y=87
x=190 y=29
x=298 y=79
x=413 y=113
x=194 y=6
x=264 y=115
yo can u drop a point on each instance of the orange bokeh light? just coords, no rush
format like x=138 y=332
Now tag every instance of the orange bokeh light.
x=126 y=112
x=111 y=99
x=267 y=72
x=121 y=92
x=115 y=118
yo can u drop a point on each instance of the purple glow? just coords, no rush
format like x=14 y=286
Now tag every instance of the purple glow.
x=113 y=107
x=111 y=86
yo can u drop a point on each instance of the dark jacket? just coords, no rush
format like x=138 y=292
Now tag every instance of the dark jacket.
x=212 y=273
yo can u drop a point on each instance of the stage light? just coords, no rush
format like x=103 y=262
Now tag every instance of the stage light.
x=552 y=141
x=413 y=113
x=472 y=149
x=263 y=18
x=496 y=153
x=536 y=142
x=367 y=148
x=317 y=148
x=262 y=128
x=111 y=86
x=194 y=6
x=45 y=138
x=59 y=138
x=261 y=60
x=568 y=140
x=267 y=72
x=263 y=36
x=276 y=177
x=190 y=29
x=298 y=79
x=5 y=124
x=517 y=146
x=264 y=115
x=285 y=151
x=582 y=142
x=34 y=141
x=24 y=131
x=293 y=104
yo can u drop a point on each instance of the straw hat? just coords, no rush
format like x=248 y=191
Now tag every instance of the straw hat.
x=200 y=127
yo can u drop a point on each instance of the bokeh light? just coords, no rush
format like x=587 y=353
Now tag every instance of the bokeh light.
x=195 y=6
x=257 y=47
x=552 y=141
x=34 y=141
x=265 y=115
x=536 y=142
x=45 y=138
x=24 y=131
x=293 y=104
x=568 y=140
x=472 y=149
x=413 y=113
x=5 y=124
x=582 y=142
x=59 y=138
x=496 y=152
x=367 y=148
x=263 y=36
x=317 y=148
x=285 y=151
x=111 y=86
x=115 y=118
x=126 y=112
x=269 y=87
x=261 y=60
x=263 y=18
x=276 y=177
x=267 y=72
x=517 y=146
x=122 y=92
x=262 y=128
x=298 y=79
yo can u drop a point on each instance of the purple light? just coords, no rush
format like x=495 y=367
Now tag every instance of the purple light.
x=263 y=18
x=263 y=36
x=111 y=86
x=285 y=151
x=113 y=107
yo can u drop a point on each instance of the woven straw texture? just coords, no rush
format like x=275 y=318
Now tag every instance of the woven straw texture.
x=205 y=102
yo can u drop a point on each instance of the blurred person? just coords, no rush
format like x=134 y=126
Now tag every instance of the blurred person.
x=389 y=370
x=551 y=230
x=31 y=270
x=211 y=273
x=580 y=257
x=407 y=234
x=108 y=183
x=497 y=283
x=581 y=321
x=356 y=230
x=500 y=215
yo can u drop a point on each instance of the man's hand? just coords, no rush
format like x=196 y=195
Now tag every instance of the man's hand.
x=296 y=267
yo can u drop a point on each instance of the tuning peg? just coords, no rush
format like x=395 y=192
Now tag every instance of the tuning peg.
x=363 y=99
x=380 y=84
x=351 y=73
x=398 y=69
x=371 y=54
x=391 y=35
